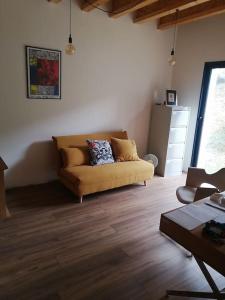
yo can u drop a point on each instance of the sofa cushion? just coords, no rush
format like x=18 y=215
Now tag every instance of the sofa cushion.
x=72 y=157
x=124 y=150
x=100 y=152
x=90 y=179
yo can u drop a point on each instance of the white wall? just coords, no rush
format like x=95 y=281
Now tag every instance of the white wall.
x=107 y=85
x=197 y=43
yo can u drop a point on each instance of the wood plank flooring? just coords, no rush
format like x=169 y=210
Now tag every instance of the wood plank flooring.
x=107 y=248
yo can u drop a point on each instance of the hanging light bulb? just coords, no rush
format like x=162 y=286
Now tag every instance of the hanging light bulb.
x=70 y=49
x=172 y=59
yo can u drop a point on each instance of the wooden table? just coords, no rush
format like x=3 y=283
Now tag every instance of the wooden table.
x=204 y=251
x=4 y=213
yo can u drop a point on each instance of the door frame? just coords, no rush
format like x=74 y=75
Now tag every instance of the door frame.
x=209 y=66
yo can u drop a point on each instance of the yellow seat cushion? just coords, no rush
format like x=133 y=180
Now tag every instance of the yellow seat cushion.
x=75 y=156
x=124 y=150
x=91 y=179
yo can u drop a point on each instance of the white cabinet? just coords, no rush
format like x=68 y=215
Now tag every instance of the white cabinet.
x=179 y=118
x=168 y=136
x=175 y=151
x=173 y=167
x=177 y=135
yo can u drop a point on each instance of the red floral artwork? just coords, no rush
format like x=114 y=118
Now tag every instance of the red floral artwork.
x=47 y=72
x=43 y=73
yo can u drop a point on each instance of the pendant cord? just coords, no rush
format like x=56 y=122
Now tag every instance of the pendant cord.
x=174 y=37
x=70 y=17
x=175 y=31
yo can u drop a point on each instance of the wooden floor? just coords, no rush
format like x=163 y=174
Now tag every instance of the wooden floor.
x=107 y=248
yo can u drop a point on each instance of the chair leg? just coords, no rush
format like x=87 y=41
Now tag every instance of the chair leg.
x=81 y=199
x=145 y=183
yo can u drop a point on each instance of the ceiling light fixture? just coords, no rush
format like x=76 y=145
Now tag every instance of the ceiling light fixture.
x=70 y=49
x=172 y=59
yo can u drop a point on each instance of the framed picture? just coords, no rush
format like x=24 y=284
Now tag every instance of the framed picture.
x=171 y=97
x=43 y=73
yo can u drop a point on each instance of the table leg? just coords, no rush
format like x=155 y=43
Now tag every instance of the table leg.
x=216 y=294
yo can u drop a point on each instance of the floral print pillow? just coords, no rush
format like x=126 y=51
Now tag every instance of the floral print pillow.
x=100 y=152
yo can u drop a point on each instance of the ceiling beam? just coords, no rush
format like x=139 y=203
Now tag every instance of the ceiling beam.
x=158 y=9
x=122 y=7
x=206 y=9
x=89 y=5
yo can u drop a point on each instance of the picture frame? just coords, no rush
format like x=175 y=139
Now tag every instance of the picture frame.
x=43 y=70
x=171 y=97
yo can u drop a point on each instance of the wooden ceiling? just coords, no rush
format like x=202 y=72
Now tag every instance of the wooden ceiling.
x=162 y=10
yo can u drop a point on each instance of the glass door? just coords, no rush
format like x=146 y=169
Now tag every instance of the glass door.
x=209 y=142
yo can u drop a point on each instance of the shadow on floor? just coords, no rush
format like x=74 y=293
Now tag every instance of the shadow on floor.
x=54 y=194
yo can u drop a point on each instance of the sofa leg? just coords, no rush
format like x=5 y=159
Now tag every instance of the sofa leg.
x=145 y=183
x=81 y=199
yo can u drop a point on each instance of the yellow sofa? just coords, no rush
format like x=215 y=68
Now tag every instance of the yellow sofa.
x=86 y=179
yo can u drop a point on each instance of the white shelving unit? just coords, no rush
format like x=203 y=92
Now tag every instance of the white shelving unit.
x=168 y=137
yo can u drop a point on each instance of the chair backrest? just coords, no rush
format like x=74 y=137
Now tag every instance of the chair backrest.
x=196 y=177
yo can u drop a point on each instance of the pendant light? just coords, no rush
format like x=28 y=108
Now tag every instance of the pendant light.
x=172 y=59
x=70 y=49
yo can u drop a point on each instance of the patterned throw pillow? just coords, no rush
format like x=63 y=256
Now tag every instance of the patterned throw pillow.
x=100 y=152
